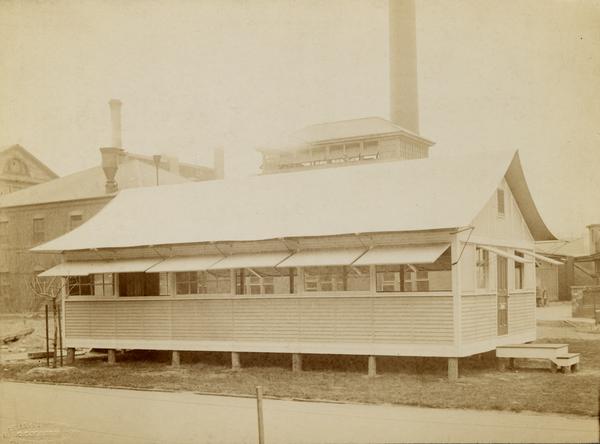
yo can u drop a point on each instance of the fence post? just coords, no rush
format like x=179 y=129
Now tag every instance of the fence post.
x=261 y=430
x=47 y=340
x=60 y=341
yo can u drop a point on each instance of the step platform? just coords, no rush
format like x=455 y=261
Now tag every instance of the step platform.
x=557 y=354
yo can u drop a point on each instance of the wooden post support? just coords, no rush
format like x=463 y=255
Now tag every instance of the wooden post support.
x=511 y=363
x=372 y=367
x=261 y=428
x=296 y=362
x=452 y=369
x=502 y=364
x=235 y=361
x=70 y=356
x=175 y=358
x=112 y=356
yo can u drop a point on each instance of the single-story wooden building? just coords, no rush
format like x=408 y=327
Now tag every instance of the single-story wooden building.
x=429 y=257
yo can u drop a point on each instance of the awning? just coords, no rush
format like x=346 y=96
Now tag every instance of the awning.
x=83 y=268
x=505 y=254
x=186 y=263
x=251 y=260
x=319 y=258
x=407 y=254
x=541 y=257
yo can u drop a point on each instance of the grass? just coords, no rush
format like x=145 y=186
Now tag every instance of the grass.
x=407 y=381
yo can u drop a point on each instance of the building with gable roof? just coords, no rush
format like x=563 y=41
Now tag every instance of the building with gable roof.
x=48 y=209
x=20 y=169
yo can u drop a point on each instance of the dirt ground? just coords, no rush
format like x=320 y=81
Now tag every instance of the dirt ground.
x=11 y=323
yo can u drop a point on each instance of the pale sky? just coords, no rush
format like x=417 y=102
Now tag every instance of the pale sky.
x=194 y=75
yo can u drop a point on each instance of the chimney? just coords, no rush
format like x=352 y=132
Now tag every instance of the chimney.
x=404 y=106
x=111 y=156
x=219 y=163
x=115 y=117
x=110 y=165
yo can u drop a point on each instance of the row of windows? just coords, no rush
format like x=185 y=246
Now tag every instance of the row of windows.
x=482 y=265
x=341 y=153
x=129 y=284
x=397 y=278
x=38 y=228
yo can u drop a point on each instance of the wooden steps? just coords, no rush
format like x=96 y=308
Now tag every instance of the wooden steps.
x=557 y=354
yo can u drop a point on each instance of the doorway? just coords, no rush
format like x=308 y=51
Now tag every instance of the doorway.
x=502 y=295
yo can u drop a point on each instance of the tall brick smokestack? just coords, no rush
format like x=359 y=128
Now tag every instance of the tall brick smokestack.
x=404 y=106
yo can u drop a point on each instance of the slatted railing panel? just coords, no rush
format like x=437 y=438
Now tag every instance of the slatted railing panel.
x=265 y=319
x=478 y=317
x=521 y=312
x=129 y=318
x=77 y=319
x=378 y=320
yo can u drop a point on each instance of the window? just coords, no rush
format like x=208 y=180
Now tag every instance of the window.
x=3 y=232
x=319 y=155
x=371 y=150
x=352 y=151
x=259 y=285
x=264 y=281
x=401 y=278
x=358 y=278
x=75 y=220
x=39 y=229
x=4 y=284
x=202 y=282
x=435 y=276
x=190 y=282
x=336 y=279
x=519 y=272
x=104 y=284
x=324 y=279
x=336 y=153
x=500 y=198
x=143 y=284
x=482 y=266
x=418 y=281
x=389 y=278
x=80 y=285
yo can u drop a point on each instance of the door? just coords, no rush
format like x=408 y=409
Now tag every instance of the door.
x=502 y=295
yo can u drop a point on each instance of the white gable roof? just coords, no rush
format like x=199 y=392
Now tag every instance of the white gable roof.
x=424 y=194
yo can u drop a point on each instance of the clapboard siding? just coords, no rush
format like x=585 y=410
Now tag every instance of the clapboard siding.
x=395 y=319
x=478 y=318
x=521 y=312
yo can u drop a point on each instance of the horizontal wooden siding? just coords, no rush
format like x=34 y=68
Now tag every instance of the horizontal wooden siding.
x=478 y=317
x=521 y=312
x=331 y=319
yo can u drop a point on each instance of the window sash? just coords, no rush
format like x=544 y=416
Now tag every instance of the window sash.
x=80 y=285
x=39 y=229
x=201 y=282
x=104 y=285
x=482 y=267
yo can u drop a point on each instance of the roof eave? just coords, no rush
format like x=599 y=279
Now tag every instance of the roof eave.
x=518 y=185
